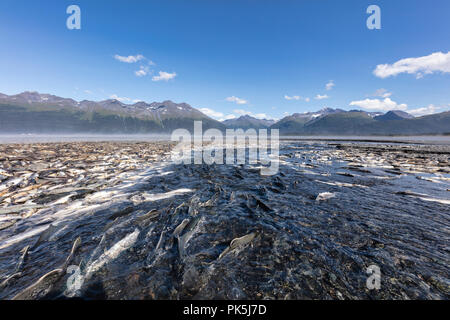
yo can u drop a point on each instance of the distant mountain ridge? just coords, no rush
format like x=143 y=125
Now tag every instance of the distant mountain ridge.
x=364 y=123
x=394 y=115
x=298 y=120
x=247 y=122
x=32 y=112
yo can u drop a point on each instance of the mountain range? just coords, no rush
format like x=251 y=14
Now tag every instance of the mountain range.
x=247 y=122
x=32 y=112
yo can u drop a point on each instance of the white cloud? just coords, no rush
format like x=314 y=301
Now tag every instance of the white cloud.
x=383 y=93
x=88 y=91
x=143 y=71
x=236 y=100
x=211 y=113
x=216 y=114
x=123 y=99
x=129 y=59
x=296 y=98
x=164 y=76
x=379 y=105
x=329 y=85
x=435 y=62
x=228 y=117
x=427 y=110
x=140 y=73
x=116 y=97
x=319 y=97
x=242 y=112
x=292 y=98
x=261 y=116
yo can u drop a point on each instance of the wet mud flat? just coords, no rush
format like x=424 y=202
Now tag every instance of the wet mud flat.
x=173 y=231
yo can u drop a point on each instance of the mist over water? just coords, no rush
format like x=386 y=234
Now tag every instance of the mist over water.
x=87 y=137
x=81 y=137
x=432 y=139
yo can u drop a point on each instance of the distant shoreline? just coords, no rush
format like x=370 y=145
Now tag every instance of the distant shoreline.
x=54 y=138
x=426 y=139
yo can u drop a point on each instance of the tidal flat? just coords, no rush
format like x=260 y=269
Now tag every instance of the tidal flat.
x=119 y=220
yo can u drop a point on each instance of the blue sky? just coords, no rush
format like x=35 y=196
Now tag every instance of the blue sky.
x=265 y=58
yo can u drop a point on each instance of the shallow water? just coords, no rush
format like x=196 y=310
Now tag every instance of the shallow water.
x=83 y=137
x=441 y=140
x=226 y=232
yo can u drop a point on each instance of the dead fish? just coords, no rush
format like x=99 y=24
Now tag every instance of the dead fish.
x=40 y=287
x=178 y=230
x=113 y=253
x=192 y=210
x=45 y=283
x=22 y=258
x=341 y=184
x=238 y=242
x=178 y=208
x=345 y=174
x=428 y=179
x=410 y=193
x=8 y=280
x=188 y=230
x=151 y=215
x=238 y=174
x=358 y=169
x=262 y=205
x=325 y=196
x=45 y=235
x=7 y=224
x=121 y=213
x=18 y=209
x=160 y=241
x=210 y=202
x=394 y=172
x=75 y=246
